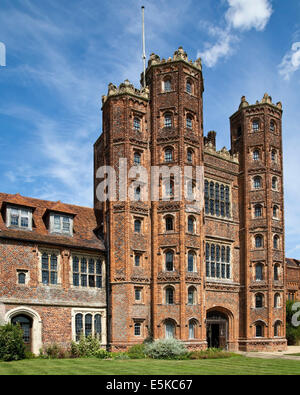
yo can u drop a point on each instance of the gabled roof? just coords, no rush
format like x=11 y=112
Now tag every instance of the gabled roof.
x=84 y=223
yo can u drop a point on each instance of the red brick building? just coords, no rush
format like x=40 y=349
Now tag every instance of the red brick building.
x=211 y=275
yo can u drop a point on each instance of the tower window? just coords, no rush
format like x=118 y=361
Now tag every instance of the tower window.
x=137 y=158
x=189 y=122
x=167 y=85
x=259 y=272
x=168 y=120
x=169 y=295
x=218 y=261
x=272 y=126
x=274 y=183
x=191 y=295
x=137 y=226
x=169 y=223
x=259 y=330
x=137 y=260
x=256 y=155
x=257 y=182
x=258 y=241
x=188 y=87
x=169 y=261
x=255 y=126
x=137 y=329
x=168 y=155
x=258 y=211
x=273 y=155
x=189 y=155
x=191 y=225
x=276 y=242
x=21 y=278
x=259 y=301
x=191 y=262
x=275 y=211
x=137 y=124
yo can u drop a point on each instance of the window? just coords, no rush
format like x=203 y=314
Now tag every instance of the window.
x=192 y=329
x=87 y=272
x=259 y=272
x=170 y=329
x=218 y=261
x=191 y=224
x=256 y=155
x=272 y=126
x=137 y=158
x=19 y=218
x=169 y=295
x=258 y=241
x=137 y=329
x=169 y=223
x=21 y=278
x=258 y=301
x=217 y=199
x=275 y=211
x=167 y=85
x=61 y=224
x=168 y=120
x=137 y=226
x=276 y=300
x=49 y=269
x=137 y=124
x=274 y=183
x=277 y=328
x=88 y=324
x=189 y=122
x=191 y=262
x=276 y=242
x=189 y=155
x=257 y=182
x=276 y=272
x=191 y=295
x=138 y=294
x=274 y=156
x=169 y=189
x=137 y=260
x=258 y=211
x=255 y=126
x=259 y=330
x=137 y=194
x=188 y=87
x=169 y=261
x=168 y=155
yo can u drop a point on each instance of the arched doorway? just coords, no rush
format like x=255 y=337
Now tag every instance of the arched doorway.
x=217 y=329
x=25 y=323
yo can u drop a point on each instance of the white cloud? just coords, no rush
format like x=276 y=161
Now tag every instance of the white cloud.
x=222 y=48
x=291 y=62
x=248 y=14
x=241 y=15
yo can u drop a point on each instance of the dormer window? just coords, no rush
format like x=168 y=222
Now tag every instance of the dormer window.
x=19 y=218
x=61 y=224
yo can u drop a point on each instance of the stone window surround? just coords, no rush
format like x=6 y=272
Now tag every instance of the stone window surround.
x=61 y=232
x=93 y=312
x=59 y=266
x=87 y=257
x=27 y=277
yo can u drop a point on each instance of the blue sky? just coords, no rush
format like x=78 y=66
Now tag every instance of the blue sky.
x=62 y=54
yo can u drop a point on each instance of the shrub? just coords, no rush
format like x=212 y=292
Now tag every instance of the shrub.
x=137 y=351
x=54 y=351
x=86 y=347
x=292 y=332
x=120 y=355
x=210 y=353
x=12 y=347
x=103 y=354
x=166 y=349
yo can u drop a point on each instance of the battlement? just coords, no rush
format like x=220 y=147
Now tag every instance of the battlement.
x=267 y=99
x=179 y=55
x=125 y=88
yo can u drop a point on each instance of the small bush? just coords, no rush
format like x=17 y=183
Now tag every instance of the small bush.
x=12 y=347
x=137 y=351
x=210 y=353
x=55 y=351
x=120 y=355
x=103 y=354
x=166 y=349
x=86 y=347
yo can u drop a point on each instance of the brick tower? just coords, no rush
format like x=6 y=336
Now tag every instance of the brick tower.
x=176 y=88
x=256 y=137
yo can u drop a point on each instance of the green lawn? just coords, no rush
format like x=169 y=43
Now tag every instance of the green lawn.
x=235 y=365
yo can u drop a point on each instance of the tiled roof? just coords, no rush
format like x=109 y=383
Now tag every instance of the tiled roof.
x=292 y=262
x=84 y=223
